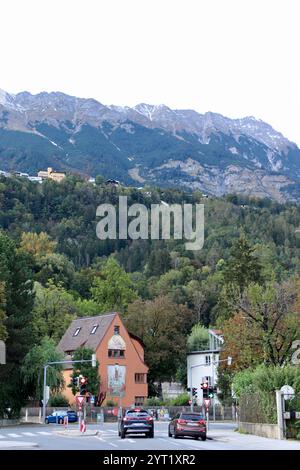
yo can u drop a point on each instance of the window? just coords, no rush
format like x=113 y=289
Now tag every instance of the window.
x=76 y=333
x=116 y=353
x=94 y=329
x=139 y=401
x=116 y=330
x=140 y=378
x=207 y=360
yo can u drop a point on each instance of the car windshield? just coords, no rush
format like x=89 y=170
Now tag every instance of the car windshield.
x=59 y=413
x=191 y=417
x=137 y=414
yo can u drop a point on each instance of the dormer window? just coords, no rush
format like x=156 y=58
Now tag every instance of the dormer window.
x=116 y=330
x=94 y=329
x=76 y=332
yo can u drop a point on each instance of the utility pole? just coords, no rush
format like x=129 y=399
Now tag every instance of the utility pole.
x=49 y=364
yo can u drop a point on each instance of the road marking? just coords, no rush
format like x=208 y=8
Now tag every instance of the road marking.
x=44 y=433
x=131 y=440
x=14 y=435
x=113 y=430
x=2 y=437
x=112 y=444
x=28 y=434
x=169 y=441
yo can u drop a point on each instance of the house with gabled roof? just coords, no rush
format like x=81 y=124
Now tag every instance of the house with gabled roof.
x=122 y=370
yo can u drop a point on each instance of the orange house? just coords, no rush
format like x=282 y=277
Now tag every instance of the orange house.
x=123 y=373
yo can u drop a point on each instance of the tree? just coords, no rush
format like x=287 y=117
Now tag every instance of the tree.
x=272 y=312
x=87 y=370
x=161 y=325
x=243 y=267
x=54 y=309
x=3 y=330
x=198 y=338
x=32 y=368
x=38 y=245
x=243 y=342
x=17 y=290
x=114 y=290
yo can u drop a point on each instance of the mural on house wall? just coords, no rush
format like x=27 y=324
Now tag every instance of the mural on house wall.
x=116 y=380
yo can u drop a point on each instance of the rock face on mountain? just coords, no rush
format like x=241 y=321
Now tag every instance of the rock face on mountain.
x=147 y=144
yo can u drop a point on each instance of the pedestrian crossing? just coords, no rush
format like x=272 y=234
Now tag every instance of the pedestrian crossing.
x=13 y=435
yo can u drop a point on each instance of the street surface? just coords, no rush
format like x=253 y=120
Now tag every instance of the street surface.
x=221 y=436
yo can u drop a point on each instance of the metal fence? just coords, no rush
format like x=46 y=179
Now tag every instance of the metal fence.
x=95 y=414
x=292 y=415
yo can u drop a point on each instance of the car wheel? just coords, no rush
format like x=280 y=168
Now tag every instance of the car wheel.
x=61 y=421
x=47 y=421
x=122 y=434
x=175 y=435
x=203 y=438
x=169 y=433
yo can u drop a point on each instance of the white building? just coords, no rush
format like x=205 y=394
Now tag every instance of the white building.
x=202 y=366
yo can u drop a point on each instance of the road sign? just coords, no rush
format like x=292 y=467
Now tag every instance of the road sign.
x=288 y=392
x=207 y=403
x=79 y=400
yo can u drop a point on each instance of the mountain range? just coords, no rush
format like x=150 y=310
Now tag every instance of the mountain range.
x=147 y=144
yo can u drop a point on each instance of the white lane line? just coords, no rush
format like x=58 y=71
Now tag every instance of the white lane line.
x=28 y=434
x=112 y=444
x=2 y=437
x=132 y=441
x=14 y=435
x=169 y=441
x=113 y=430
x=44 y=433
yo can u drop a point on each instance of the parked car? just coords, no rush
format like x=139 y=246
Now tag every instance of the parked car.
x=188 y=424
x=58 y=417
x=137 y=421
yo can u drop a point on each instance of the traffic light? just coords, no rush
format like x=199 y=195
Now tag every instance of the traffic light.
x=211 y=392
x=194 y=392
x=75 y=382
x=83 y=385
x=204 y=387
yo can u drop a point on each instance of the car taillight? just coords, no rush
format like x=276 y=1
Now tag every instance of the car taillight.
x=181 y=421
x=149 y=418
x=202 y=422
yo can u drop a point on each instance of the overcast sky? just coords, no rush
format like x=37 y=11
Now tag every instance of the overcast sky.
x=235 y=57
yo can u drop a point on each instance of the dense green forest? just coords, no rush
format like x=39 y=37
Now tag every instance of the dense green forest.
x=54 y=268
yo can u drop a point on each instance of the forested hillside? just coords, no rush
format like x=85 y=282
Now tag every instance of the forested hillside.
x=48 y=243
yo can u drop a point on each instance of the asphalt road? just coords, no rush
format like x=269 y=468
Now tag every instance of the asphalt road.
x=221 y=436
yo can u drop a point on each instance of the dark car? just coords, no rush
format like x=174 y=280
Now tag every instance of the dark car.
x=59 y=417
x=137 y=421
x=188 y=424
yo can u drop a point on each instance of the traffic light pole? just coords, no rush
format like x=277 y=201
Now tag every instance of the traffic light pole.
x=93 y=361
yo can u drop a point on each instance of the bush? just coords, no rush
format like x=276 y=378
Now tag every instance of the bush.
x=181 y=400
x=58 y=400
x=111 y=403
x=155 y=401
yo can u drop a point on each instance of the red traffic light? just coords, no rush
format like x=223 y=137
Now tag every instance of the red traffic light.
x=204 y=386
x=83 y=380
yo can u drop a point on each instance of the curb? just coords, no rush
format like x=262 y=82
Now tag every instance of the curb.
x=75 y=433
